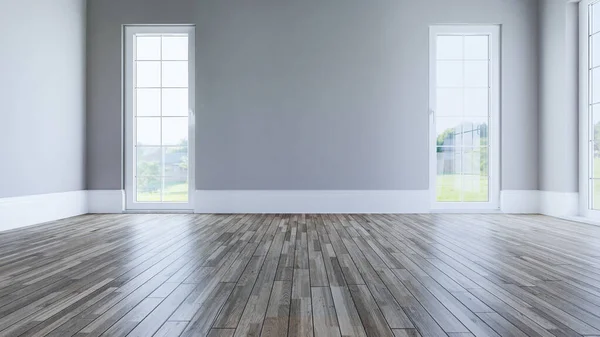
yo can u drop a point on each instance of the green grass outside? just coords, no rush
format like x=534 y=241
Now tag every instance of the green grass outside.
x=449 y=186
x=173 y=193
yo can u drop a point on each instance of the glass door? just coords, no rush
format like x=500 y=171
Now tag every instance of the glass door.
x=464 y=117
x=159 y=124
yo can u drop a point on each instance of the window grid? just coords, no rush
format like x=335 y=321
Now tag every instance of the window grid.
x=161 y=116
x=462 y=146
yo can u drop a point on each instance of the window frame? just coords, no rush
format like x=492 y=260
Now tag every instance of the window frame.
x=129 y=150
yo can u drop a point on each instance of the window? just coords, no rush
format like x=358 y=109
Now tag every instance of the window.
x=159 y=116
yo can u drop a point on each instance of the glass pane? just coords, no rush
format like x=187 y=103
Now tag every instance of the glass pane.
x=175 y=74
x=596 y=122
x=148 y=131
x=148 y=48
x=475 y=161
x=448 y=182
x=175 y=102
x=595 y=47
x=596 y=161
x=448 y=131
x=148 y=74
x=596 y=85
x=449 y=102
x=148 y=189
x=147 y=102
x=148 y=161
x=450 y=74
x=476 y=102
x=176 y=161
x=475 y=188
x=175 y=131
x=476 y=74
x=176 y=189
x=450 y=47
x=595 y=17
x=595 y=194
x=476 y=47
x=175 y=48
x=475 y=132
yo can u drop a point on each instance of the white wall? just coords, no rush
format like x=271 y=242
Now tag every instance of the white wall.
x=42 y=96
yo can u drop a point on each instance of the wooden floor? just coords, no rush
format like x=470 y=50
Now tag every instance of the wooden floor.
x=301 y=275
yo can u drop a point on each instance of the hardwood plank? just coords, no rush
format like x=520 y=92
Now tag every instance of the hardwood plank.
x=324 y=315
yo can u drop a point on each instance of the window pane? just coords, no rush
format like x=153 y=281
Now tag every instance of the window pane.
x=175 y=131
x=175 y=48
x=148 y=131
x=596 y=160
x=596 y=194
x=450 y=47
x=475 y=161
x=476 y=74
x=148 y=74
x=175 y=102
x=476 y=47
x=175 y=74
x=596 y=85
x=147 y=102
x=450 y=74
x=596 y=122
x=148 y=48
x=176 y=161
x=148 y=161
x=149 y=189
x=595 y=18
x=448 y=182
x=449 y=102
x=448 y=131
x=475 y=132
x=595 y=46
x=475 y=188
x=476 y=102
x=176 y=190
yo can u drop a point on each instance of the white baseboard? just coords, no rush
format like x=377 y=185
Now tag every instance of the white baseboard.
x=520 y=201
x=298 y=201
x=559 y=204
x=34 y=209
x=106 y=201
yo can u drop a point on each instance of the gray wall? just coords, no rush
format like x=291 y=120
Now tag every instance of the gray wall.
x=42 y=96
x=313 y=94
x=558 y=100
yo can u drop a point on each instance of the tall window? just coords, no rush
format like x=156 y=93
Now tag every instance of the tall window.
x=594 y=105
x=159 y=121
x=465 y=107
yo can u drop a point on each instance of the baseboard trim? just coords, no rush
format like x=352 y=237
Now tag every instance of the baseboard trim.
x=106 y=201
x=311 y=201
x=17 y=212
x=520 y=201
x=559 y=204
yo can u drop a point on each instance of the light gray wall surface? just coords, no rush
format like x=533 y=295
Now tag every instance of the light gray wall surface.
x=558 y=99
x=42 y=96
x=313 y=94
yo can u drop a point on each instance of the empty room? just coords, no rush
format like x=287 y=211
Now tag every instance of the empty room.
x=300 y=168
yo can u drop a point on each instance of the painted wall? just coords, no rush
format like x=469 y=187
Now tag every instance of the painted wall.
x=313 y=94
x=558 y=99
x=42 y=96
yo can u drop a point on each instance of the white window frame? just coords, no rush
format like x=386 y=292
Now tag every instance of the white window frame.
x=493 y=31
x=129 y=32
